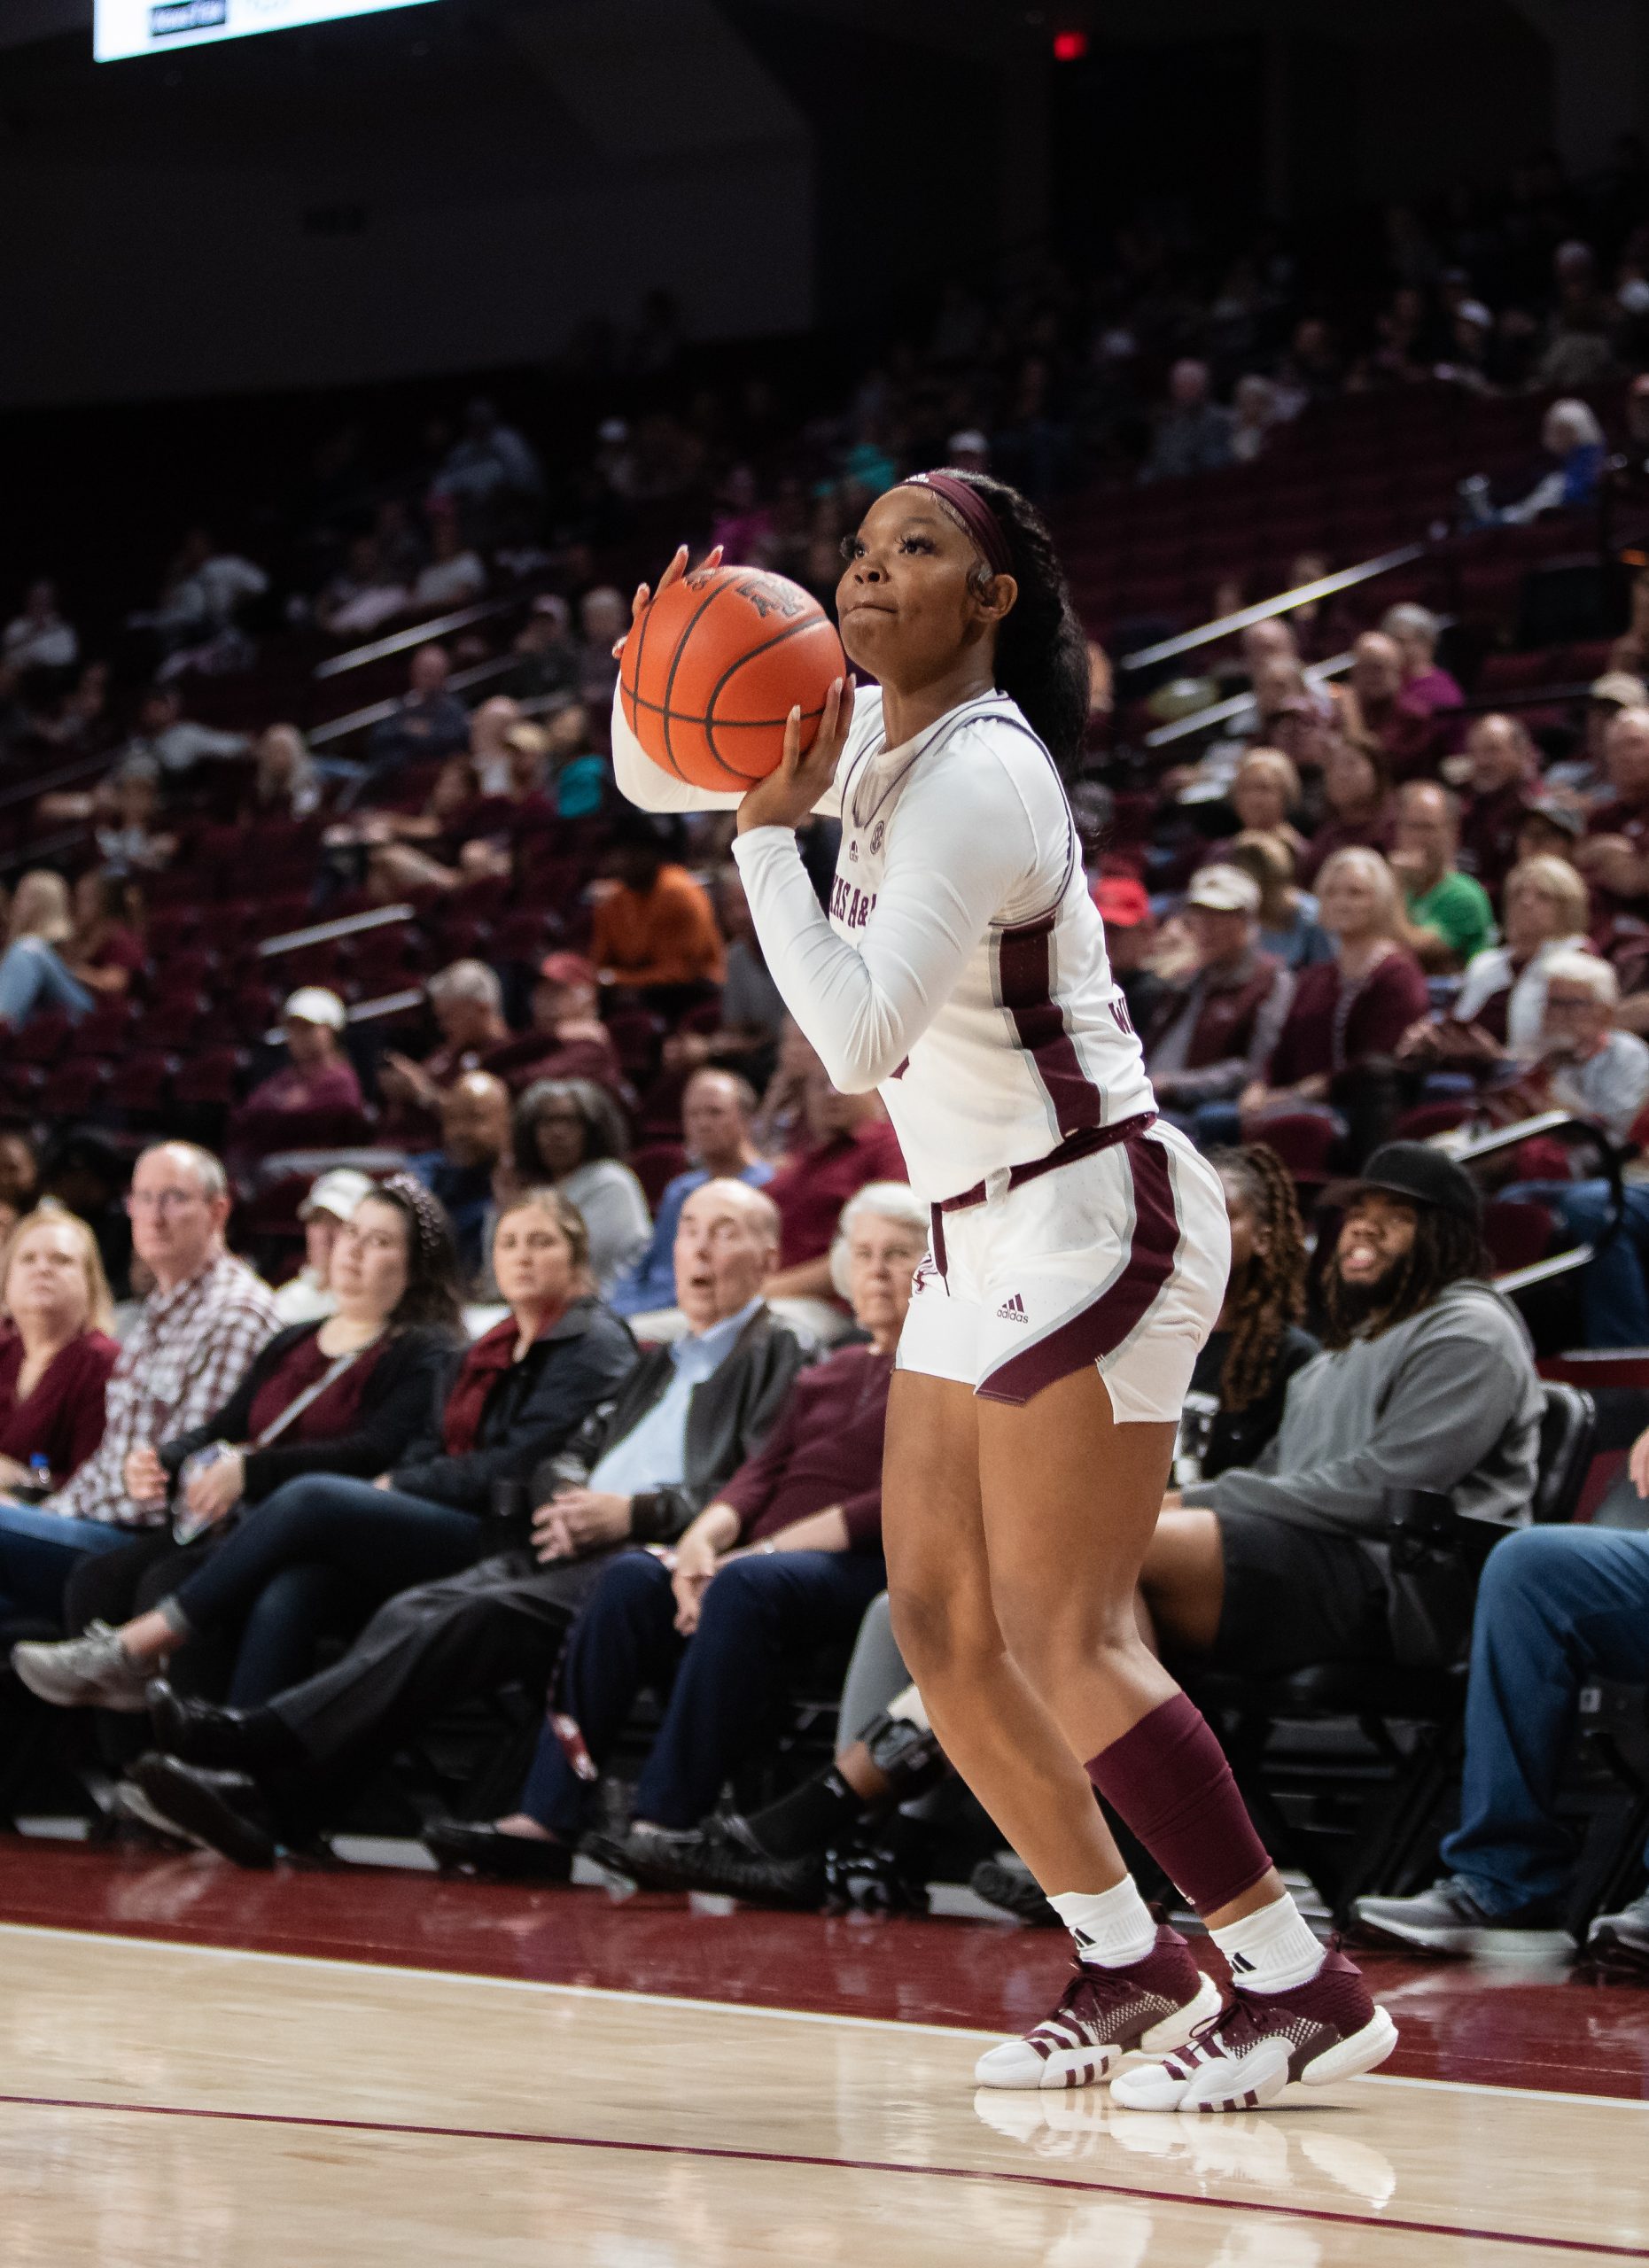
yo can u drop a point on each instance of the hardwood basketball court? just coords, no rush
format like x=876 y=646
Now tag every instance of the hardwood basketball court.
x=175 y=2093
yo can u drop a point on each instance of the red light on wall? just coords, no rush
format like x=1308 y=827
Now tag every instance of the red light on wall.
x=1070 y=47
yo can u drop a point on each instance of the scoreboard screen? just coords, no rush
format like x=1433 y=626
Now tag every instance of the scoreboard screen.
x=122 y=27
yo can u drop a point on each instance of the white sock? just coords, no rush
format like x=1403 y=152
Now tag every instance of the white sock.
x=1270 y=1951
x=1112 y=1927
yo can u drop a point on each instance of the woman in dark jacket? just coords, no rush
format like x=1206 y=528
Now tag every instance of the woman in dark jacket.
x=339 y=1395
x=517 y=1395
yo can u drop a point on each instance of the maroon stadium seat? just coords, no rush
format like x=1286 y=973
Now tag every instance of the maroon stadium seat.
x=1304 y=1141
x=1517 y=1234
x=41 y=1040
x=655 y=1165
x=209 y=1075
x=104 y=1031
x=73 y=1087
x=139 y=1087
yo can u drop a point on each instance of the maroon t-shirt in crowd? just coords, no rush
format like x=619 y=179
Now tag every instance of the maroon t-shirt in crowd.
x=335 y=1412
x=333 y=1087
x=62 y=1419
x=533 y=1055
x=826 y=1449
x=812 y=1185
x=1332 y=1024
x=118 y=948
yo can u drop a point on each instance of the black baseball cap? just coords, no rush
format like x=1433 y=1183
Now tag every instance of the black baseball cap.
x=1420 y=1176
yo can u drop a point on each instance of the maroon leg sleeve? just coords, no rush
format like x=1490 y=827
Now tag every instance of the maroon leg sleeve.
x=1169 y=1780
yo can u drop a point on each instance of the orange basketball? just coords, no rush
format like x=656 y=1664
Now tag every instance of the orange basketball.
x=717 y=664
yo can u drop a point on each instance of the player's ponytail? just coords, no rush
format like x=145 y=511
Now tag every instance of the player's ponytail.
x=1041 y=650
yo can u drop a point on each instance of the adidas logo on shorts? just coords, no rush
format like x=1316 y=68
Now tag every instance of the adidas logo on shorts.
x=1012 y=1310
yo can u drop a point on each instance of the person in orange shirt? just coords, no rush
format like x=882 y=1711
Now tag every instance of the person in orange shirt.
x=656 y=933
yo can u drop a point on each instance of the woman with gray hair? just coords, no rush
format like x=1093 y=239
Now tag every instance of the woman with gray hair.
x=1414 y=631
x=895 y=1201
x=467 y=1001
x=570 y=1133
x=1570 y=433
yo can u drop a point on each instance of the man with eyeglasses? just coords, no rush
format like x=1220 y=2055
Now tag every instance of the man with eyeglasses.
x=193 y=1340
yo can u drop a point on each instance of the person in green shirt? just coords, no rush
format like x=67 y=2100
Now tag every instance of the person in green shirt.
x=1450 y=915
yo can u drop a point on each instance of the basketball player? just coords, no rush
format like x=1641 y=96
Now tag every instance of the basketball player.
x=1078 y=1259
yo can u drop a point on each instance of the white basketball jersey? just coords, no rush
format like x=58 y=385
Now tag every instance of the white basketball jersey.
x=1032 y=1042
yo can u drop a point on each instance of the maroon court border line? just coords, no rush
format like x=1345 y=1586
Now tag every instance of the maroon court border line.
x=727 y=2152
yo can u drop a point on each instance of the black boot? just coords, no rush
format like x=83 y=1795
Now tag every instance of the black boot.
x=230 y=1740
x=225 y=1810
x=724 y=1858
x=478 y=1846
x=1008 y=1882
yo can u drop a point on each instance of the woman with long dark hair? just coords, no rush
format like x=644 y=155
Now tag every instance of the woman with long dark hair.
x=1078 y=1260
x=340 y=1393
x=1235 y=1403
x=517 y=1394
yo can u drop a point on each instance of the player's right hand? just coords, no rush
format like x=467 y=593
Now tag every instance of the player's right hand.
x=645 y=595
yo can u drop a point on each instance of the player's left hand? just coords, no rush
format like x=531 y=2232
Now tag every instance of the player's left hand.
x=789 y=795
x=645 y=595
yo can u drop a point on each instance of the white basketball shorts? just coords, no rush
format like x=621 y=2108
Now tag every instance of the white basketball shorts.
x=1117 y=1258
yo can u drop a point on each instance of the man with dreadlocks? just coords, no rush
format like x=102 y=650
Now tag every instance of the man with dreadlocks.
x=1427 y=1382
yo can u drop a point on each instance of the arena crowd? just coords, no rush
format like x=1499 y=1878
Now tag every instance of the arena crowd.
x=437 y=1270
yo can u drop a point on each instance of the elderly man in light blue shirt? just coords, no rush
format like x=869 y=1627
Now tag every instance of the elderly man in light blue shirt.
x=717 y=1111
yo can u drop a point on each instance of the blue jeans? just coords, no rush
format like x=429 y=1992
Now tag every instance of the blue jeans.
x=322 y=1542
x=37 y=1549
x=759 y=1616
x=32 y=977
x=1615 y=1302
x=1557 y=1606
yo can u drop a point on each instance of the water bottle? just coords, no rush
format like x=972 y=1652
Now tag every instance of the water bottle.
x=186 y=1525
x=1476 y=505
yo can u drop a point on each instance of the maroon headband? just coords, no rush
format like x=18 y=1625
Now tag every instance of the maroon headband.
x=977 y=519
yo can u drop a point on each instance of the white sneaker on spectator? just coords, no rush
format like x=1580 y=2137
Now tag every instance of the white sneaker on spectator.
x=95 y=1671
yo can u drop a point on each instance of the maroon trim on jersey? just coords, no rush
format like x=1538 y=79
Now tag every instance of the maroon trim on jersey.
x=1100 y=1328
x=1025 y=979
x=1088 y=1144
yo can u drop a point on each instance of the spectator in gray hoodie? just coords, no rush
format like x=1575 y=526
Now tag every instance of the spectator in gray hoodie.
x=1428 y=1382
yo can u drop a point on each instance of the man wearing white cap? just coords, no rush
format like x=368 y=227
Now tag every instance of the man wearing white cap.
x=333 y=1197
x=318 y=1076
x=1212 y=1028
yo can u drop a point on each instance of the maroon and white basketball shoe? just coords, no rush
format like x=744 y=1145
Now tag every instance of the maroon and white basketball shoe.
x=1243 y=2058
x=1105 y=2018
